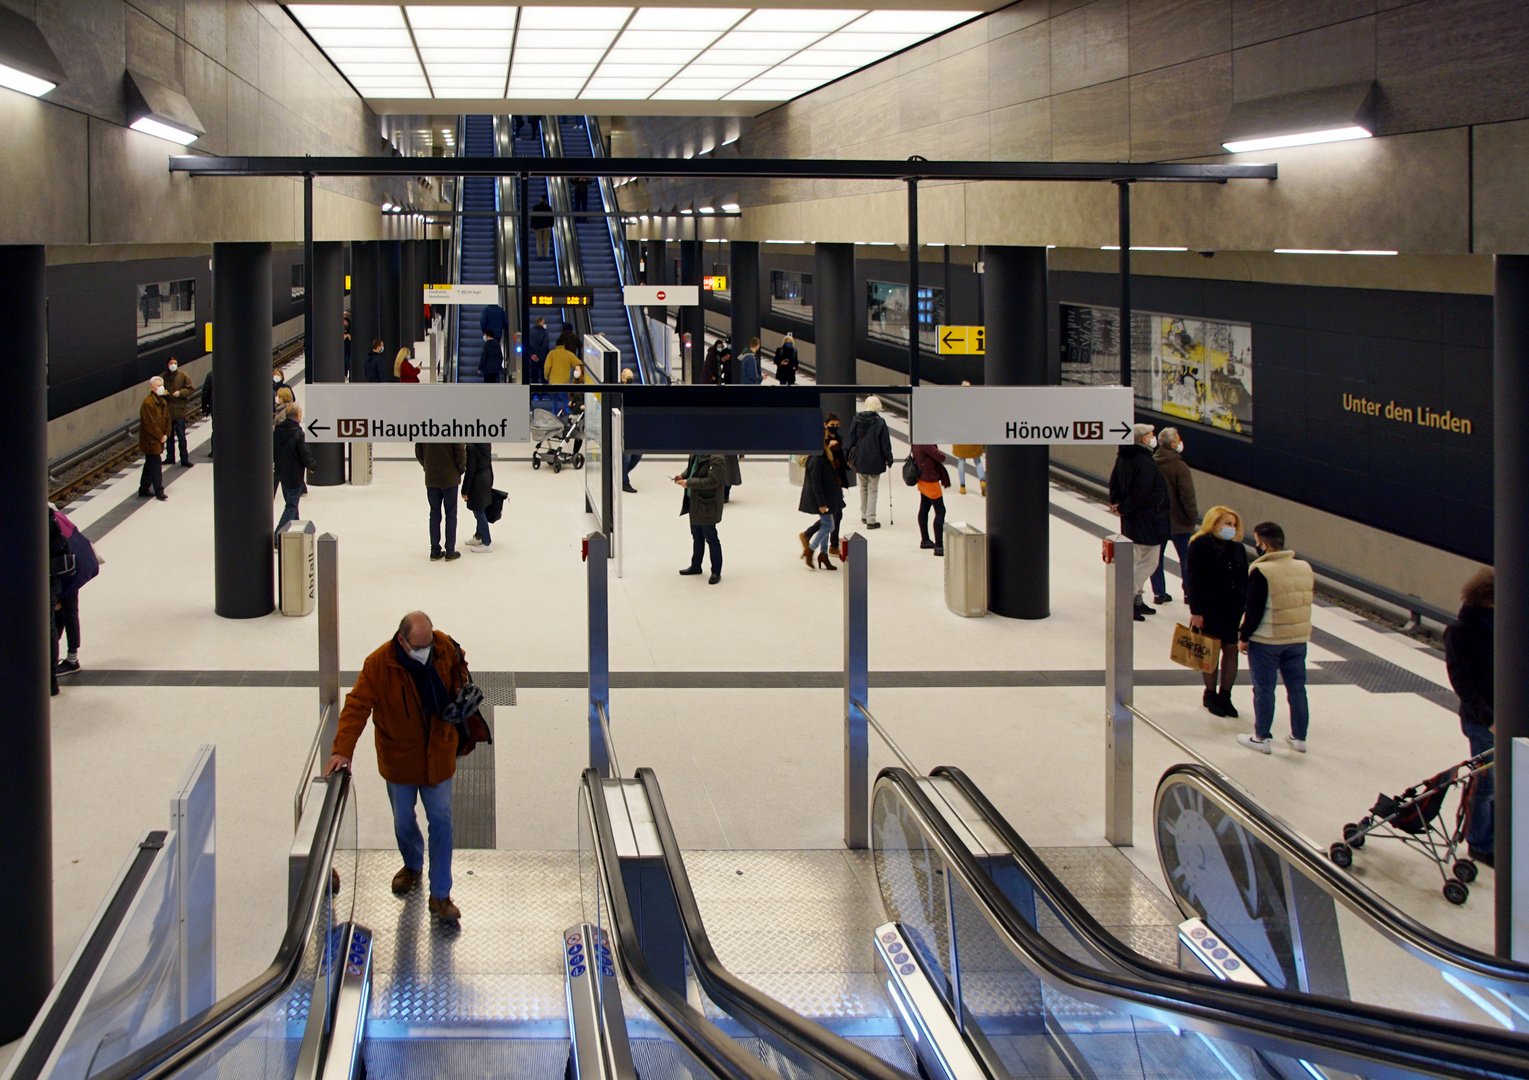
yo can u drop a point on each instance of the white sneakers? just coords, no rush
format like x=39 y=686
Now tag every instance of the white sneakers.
x=473 y=541
x=1265 y=746
x=478 y=547
x=1298 y=745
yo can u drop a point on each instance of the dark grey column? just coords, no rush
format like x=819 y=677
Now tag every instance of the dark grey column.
x=1018 y=482
x=364 y=304
x=328 y=364
x=693 y=319
x=389 y=293
x=657 y=274
x=1510 y=419
x=26 y=799
x=414 y=294
x=833 y=324
x=743 y=280
x=242 y=518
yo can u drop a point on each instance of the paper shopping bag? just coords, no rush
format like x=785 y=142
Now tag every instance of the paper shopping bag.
x=1195 y=650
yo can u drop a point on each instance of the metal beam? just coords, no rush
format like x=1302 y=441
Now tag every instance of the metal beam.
x=767 y=168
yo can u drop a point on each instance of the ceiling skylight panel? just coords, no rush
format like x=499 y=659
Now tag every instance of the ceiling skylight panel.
x=660 y=18
x=593 y=93
x=481 y=71
x=744 y=57
x=636 y=71
x=798 y=19
x=909 y=22
x=680 y=81
x=822 y=75
x=876 y=43
x=650 y=56
x=544 y=87
x=464 y=39
x=446 y=83
x=465 y=56
x=461 y=17
x=564 y=39
x=627 y=82
x=342 y=57
x=573 y=18
x=673 y=93
x=393 y=92
x=361 y=38
x=748 y=94
x=667 y=39
x=831 y=57
x=759 y=39
x=523 y=70
x=358 y=16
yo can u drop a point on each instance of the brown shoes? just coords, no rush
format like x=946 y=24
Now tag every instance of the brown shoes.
x=807 y=558
x=442 y=908
x=824 y=563
x=405 y=880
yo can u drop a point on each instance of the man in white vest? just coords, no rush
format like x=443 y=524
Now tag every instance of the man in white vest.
x=1275 y=629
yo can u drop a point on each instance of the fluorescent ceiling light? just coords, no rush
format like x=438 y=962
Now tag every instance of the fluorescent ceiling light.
x=568 y=18
x=350 y=16
x=343 y=56
x=438 y=70
x=464 y=39
x=1327 y=251
x=460 y=82
x=1134 y=247
x=680 y=82
x=559 y=57
x=694 y=40
x=461 y=18
x=645 y=72
x=685 y=211
x=164 y=131
x=1301 y=138
x=730 y=207
x=362 y=39
x=661 y=18
x=20 y=80
x=545 y=87
x=564 y=39
x=553 y=72
x=910 y=22
x=744 y=59
x=465 y=56
x=618 y=83
x=785 y=241
x=873 y=43
x=706 y=210
x=394 y=92
x=747 y=94
x=156 y=109
x=832 y=57
x=819 y=75
x=739 y=39
x=673 y=57
x=615 y=93
x=798 y=19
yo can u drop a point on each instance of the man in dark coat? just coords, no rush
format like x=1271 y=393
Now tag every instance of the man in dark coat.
x=153 y=433
x=178 y=391
x=491 y=362
x=541 y=224
x=1183 y=510
x=494 y=321
x=444 y=464
x=1468 y=657
x=702 y=480
x=538 y=345
x=376 y=367
x=1139 y=495
x=870 y=455
x=478 y=493
x=293 y=460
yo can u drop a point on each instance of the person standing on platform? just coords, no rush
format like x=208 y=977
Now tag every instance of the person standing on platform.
x=293 y=461
x=1274 y=633
x=491 y=362
x=67 y=604
x=376 y=366
x=493 y=320
x=404 y=369
x=748 y=365
x=1139 y=496
x=628 y=461
x=403 y=688
x=823 y=496
x=561 y=360
x=178 y=391
x=1468 y=657
x=786 y=361
x=478 y=493
x=1183 y=511
x=537 y=348
x=702 y=481
x=278 y=384
x=153 y=433
x=541 y=224
x=578 y=188
x=347 y=346
x=727 y=374
x=933 y=479
x=870 y=455
x=1216 y=587
x=207 y=406
x=444 y=464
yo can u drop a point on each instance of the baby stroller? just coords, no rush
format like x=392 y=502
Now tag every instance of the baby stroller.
x=1413 y=817
x=555 y=434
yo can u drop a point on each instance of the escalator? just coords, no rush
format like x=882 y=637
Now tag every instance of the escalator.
x=540 y=272
x=478 y=256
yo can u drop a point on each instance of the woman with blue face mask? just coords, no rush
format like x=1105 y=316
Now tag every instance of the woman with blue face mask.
x=1216 y=585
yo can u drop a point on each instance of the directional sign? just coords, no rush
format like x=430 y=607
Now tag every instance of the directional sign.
x=461 y=294
x=655 y=295
x=961 y=340
x=714 y=282
x=418 y=412
x=1023 y=415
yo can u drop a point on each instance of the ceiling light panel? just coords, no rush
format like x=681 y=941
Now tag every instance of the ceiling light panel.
x=703 y=70
x=564 y=39
x=575 y=57
x=794 y=19
x=342 y=57
x=636 y=71
x=832 y=57
x=817 y=73
x=745 y=58
x=704 y=83
x=573 y=18
x=358 y=16
x=873 y=43
x=909 y=22
x=718 y=19
x=626 y=82
x=523 y=87
x=667 y=39
x=467 y=82
x=361 y=38
x=780 y=39
x=461 y=18
x=615 y=93
x=464 y=39
x=481 y=71
x=673 y=93
x=523 y=70
x=747 y=94
x=465 y=56
x=649 y=56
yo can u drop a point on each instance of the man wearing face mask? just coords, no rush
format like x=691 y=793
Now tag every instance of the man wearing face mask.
x=1140 y=496
x=178 y=390
x=1274 y=634
x=153 y=433
x=403 y=687
x=1183 y=511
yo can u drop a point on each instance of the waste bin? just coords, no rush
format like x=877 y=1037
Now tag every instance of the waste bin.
x=795 y=470
x=296 y=571
x=360 y=462
x=965 y=569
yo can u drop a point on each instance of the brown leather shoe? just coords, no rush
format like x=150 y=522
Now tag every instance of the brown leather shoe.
x=442 y=908
x=806 y=547
x=405 y=880
x=807 y=558
x=824 y=563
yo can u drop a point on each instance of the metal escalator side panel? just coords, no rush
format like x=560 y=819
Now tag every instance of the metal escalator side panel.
x=927 y=1024
x=596 y=1024
x=342 y=1043
x=565 y=239
x=626 y=273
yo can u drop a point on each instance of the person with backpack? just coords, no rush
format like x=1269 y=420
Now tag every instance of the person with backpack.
x=870 y=455
x=932 y=480
x=66 y=609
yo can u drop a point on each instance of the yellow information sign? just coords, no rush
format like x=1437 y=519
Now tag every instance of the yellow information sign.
x=961 y=340
x=714 y=282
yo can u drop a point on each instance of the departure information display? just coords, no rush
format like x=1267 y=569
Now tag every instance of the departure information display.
x=563 y=298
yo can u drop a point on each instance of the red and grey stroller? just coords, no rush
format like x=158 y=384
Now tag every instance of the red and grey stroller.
x=1415 y=818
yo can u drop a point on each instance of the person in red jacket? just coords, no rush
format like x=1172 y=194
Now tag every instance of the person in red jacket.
x=933 y=479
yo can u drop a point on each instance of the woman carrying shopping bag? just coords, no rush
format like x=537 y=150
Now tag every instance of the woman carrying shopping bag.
x=1216 y=583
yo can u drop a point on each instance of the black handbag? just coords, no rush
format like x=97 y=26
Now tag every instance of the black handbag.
x=464 y=712
x=495 y=509
x=910 y=471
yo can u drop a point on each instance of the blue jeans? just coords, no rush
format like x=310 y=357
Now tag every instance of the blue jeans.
x=482 y=532
x=1479 y=833
x=443 y=499
x=821 y=534
x=1268 y=664
x=628 y=463
x=411 y=845
x=1180 y=545
x=976 y=463
x=291 y=493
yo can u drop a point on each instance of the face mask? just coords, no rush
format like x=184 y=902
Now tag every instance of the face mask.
x=160 y=390
x=173 y=367
x=276 y=378
x=420 y=656
x=1226 y=532
x=1152 y=443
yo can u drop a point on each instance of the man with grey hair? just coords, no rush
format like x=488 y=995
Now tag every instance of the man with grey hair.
x=1139 y=496
x=404 y=687
x=153 y=431
x=1183 y=511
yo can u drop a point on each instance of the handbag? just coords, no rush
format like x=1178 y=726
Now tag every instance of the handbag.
x=910 y=471
x=464 y=712
x=1194 y=650
x=495 y=508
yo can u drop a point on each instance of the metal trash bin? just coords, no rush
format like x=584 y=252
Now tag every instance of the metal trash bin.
x=296 y=568
x=795 y=470
x=965 y=569
x=360 y=463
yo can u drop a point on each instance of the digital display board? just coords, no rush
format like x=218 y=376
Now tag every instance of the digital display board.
x=563 y=298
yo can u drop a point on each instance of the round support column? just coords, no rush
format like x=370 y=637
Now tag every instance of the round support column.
x=833 y=325
x=329 y=347
x=389 y=294
x=743 y=274
x=365 y=304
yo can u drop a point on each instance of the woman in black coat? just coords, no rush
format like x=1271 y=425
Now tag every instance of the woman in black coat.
x=478 y=492
x=823 y=497
x=1216 y=585
x=1468 y=657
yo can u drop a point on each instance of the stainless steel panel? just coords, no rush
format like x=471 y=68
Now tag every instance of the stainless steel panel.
x=965 y=569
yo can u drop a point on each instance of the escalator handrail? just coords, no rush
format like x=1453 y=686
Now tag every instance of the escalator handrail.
x=836 y=1055
x=565 y=239
x=1480 y=968
x=179 y=1046
x=1351 y=1036
x=703 y=1039
x=625 y=271
x=454 y=270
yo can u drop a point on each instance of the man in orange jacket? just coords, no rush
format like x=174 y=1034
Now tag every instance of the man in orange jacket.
x=403 y=687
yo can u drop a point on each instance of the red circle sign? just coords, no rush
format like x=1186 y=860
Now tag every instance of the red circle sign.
x=662 y=295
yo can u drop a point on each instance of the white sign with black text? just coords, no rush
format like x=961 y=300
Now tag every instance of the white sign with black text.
x=1023 y=415
x=661 y=295
x=461 y=294
x=417 y=412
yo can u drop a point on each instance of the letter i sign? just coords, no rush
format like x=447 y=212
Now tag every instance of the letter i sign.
x=976 y=341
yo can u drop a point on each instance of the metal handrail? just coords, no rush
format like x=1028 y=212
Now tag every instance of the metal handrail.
x=610 y=743
x=626 y=273
x=565 y=238
x=1352 y=1036
x=454 y=265
x=310 y=764
x=886 y=737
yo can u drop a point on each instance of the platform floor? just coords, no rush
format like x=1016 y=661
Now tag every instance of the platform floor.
x=728 y=691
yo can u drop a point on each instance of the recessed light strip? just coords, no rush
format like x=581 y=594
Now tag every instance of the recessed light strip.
x=1305 y=138
x=632 y=14
x=420 y=59
x=1328 y=251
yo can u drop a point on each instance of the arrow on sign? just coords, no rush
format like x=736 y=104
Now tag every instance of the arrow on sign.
x=1122 y=430
x=314 y=428
x=948 y=342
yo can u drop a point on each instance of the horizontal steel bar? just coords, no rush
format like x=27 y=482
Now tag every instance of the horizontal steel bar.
x=785 y=169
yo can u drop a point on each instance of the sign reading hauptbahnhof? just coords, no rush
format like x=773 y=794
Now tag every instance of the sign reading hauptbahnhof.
x=418 y=412
x=1023 y=415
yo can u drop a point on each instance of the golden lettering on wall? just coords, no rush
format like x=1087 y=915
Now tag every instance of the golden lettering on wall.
x=1421 y=415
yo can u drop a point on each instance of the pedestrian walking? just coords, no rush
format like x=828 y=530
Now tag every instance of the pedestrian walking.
x=823 y=497
x=85 y=566
x=933 y=479
x=293 y=460
x=1469 y=659
x=1139 y=495
x=1216 y=585
x=702 y=481
x=787 y=361
x=153 y=433
x=578 y=188
x=1275 y=629
x=444 y=464
x=870 y=454
x=478 y=493
x=1183 y=511
x=375 y=369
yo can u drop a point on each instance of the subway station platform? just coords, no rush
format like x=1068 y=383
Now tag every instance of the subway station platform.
x=732 y=693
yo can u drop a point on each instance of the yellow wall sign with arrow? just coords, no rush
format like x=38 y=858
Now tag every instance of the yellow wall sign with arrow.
x=961 y=340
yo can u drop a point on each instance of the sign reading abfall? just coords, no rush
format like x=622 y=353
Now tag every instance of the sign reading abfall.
x=418 y=412
x=1023 y=415
x=461 y=294
x=656 y=295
